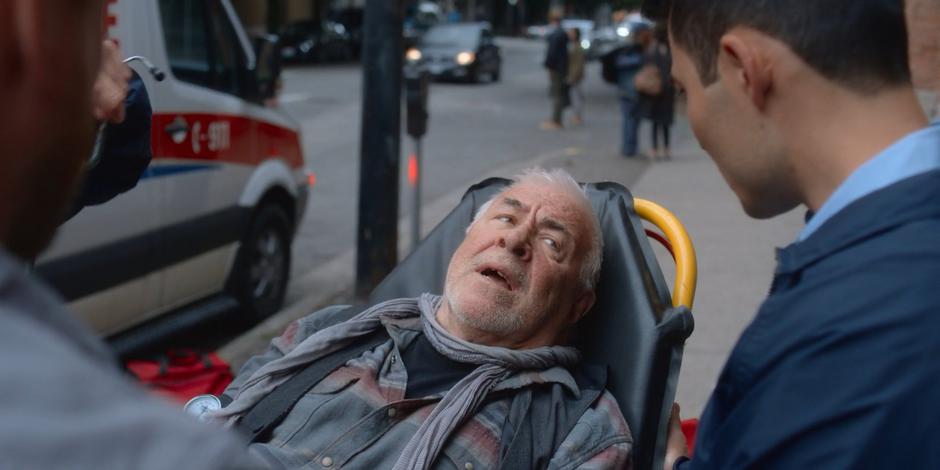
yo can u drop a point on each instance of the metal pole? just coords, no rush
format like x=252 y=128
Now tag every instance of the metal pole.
x=414 y=173
x=377 y=237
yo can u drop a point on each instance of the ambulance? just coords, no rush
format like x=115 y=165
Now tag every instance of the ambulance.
x=212 y=218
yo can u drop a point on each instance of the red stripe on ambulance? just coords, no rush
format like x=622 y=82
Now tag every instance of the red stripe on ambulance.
x=223 y=138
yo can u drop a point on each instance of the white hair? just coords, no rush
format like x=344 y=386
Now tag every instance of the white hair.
x=591 y=268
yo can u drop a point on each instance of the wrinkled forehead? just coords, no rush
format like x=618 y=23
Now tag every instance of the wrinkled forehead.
x=551 y=201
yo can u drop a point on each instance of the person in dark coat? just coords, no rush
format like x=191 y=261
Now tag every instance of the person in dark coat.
x=799 y=107
x=556 y=62
x=660 y=108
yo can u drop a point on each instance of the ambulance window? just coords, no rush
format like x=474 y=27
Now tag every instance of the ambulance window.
x=201 y=44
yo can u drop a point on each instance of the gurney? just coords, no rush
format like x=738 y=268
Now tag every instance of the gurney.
x=636 y=328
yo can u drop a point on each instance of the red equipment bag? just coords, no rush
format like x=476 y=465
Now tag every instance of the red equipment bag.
x=181 y=374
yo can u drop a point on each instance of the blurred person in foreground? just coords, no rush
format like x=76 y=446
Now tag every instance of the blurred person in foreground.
x=800 y=107
x=66 y=403
x=576 y=62
x=451 y=379
x=556 y=62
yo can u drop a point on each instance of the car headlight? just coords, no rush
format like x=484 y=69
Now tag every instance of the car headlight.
x=586 y=44
x=466 y=58
x=413 y=55
x=623 y=31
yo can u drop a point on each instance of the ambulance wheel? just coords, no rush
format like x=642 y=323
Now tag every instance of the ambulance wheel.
x=262 y=266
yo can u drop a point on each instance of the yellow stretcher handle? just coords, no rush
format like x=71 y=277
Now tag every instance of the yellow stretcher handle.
x=686 y=268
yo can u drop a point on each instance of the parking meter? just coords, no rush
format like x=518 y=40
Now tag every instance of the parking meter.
x=417 y=80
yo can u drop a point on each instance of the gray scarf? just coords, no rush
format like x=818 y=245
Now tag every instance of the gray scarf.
x=460 y=402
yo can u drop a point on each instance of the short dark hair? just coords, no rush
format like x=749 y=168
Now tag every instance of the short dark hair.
x=577 y=33
x=860 y=44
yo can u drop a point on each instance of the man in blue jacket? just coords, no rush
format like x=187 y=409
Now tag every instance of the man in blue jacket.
x=628 y=62
x=810 y=103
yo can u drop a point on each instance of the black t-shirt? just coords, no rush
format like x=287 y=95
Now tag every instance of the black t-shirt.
x=430 y=372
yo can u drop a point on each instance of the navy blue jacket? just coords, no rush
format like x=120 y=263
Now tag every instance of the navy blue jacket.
x=841 y=366
x=628 y=62
x=125 y=152
x=556 y=56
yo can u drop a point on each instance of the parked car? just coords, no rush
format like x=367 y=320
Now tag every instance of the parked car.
x=316 y=41
x=351 y=19
x=463 y=51
x=537 y=31
x=210 y=224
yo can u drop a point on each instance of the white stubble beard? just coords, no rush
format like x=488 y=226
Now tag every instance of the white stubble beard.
x=497 y=321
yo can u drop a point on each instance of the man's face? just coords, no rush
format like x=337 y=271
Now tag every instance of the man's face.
x=516 y=276
x=57 y=126
x=738 y=136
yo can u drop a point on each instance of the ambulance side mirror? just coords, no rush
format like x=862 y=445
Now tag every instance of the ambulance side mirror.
x=267 y=73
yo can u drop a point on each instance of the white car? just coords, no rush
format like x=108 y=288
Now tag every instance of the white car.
x=215 y=212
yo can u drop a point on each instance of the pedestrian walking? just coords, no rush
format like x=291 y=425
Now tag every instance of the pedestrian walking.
x=556 y=61
x=659 y=108
x=628 y=63
x=575 y=76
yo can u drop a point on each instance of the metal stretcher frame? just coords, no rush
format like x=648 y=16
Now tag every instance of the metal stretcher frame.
x=683 y=293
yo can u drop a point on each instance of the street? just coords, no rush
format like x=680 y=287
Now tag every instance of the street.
x=218 y=237
x=474 y=130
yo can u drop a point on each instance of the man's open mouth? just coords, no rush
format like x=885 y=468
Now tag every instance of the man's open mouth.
x=497 y=276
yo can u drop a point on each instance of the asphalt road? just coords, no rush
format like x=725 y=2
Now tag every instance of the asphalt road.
x=474 y=129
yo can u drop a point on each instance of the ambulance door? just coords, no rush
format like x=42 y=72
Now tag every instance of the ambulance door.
x=208 y=143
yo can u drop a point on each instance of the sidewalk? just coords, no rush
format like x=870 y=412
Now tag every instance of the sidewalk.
x=735 y=253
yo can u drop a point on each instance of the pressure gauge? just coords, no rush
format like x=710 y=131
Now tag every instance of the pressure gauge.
x=201 y=405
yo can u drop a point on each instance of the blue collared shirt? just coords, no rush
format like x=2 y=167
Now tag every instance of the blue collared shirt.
x=916 y=153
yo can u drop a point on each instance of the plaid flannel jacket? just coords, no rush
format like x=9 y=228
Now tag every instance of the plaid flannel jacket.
x=358 y=417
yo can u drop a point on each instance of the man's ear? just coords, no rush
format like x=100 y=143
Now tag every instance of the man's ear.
x=745 y=64
x=582 y=305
